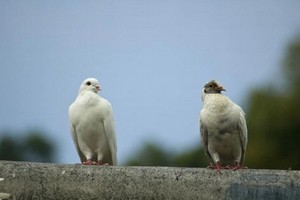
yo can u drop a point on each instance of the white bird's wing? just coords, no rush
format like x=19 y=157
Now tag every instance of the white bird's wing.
x=109 y=128
x=242 y=129
x=204 y=137
x=74 y=137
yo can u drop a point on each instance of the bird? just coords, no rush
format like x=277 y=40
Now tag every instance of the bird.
x=92 y=126
x=223 y=129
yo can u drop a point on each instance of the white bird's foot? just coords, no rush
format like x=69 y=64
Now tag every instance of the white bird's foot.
x=89 y=162
x=101 y=163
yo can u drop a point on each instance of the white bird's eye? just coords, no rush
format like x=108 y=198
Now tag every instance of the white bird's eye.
x=88 y=83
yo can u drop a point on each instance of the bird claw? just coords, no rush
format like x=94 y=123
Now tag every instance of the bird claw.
x=237 y=167
x=89 y=162
x=217 y=166
x=101 y=163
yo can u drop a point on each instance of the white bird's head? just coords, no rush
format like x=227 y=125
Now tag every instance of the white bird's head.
x=90 y=84
x=213 y=87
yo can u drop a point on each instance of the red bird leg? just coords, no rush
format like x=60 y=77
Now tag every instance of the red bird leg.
x=218 y=166
x=238 y=166
x=227 y=167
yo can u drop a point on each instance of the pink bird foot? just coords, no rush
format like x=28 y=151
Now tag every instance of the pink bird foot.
x=101 y=163
x=89 y=162
x=217 y=166
x=228 y=167
x=237 y=166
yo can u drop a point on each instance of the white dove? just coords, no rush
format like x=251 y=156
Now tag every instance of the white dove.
x=92 y=126
x=223 y=129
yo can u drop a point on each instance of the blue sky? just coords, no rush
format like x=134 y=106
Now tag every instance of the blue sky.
x=152 y=59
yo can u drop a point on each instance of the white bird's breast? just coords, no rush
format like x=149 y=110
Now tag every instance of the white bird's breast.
x=88 y=115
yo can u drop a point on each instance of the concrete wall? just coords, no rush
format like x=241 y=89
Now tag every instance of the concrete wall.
x=22 y=180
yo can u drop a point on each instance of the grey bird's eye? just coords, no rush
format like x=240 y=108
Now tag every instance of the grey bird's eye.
x=88 y=83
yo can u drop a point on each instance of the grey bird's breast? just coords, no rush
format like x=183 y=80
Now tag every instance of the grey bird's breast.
x=220 y=119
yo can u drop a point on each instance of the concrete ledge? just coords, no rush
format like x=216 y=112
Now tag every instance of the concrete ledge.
x=22 y=180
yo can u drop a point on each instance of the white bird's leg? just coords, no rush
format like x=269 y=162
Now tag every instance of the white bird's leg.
x=217 y=165
x=88 y=156
x=100 y=159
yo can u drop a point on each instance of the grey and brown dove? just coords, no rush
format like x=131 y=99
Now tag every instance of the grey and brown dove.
x=223 y=129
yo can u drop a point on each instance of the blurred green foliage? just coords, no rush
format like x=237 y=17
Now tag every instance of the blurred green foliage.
x=33 y=146
x=153 y=155
x=273 y=119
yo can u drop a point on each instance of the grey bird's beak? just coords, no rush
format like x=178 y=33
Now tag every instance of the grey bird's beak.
x=220 y=88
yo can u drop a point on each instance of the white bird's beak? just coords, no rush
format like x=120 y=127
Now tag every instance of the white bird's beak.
x=98 y=87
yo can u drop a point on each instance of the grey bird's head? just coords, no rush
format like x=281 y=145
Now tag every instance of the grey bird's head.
x=213 y=87
x=90 y=84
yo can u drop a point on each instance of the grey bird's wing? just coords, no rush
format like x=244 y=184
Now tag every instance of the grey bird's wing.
x=204 y=137
x=243 y=133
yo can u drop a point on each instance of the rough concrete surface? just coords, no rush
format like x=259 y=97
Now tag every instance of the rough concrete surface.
x=23 y=180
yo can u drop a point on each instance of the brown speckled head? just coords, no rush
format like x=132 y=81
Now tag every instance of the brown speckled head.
x=213 y=87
